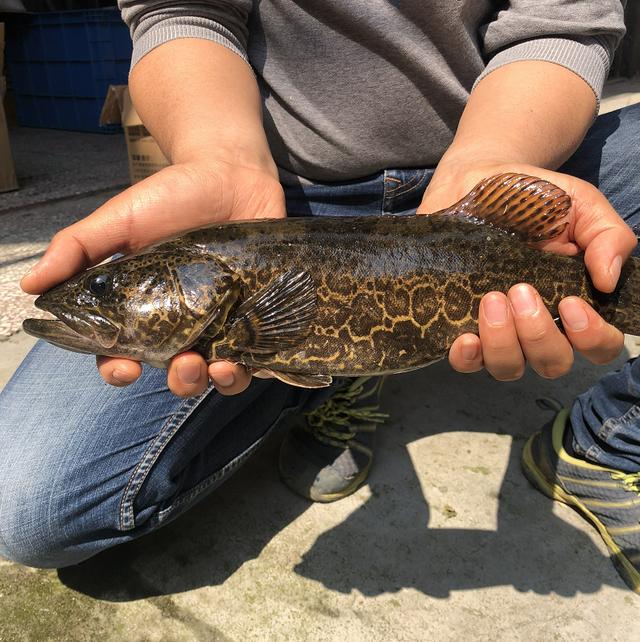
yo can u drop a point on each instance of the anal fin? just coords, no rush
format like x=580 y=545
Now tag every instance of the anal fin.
x=528 y=206
x=301 y=380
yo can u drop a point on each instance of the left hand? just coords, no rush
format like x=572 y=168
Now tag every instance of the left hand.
x=516 y=327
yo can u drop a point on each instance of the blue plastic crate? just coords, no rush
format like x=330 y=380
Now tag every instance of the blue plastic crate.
x=61 y=64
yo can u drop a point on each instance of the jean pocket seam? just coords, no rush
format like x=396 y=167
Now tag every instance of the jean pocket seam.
x=593 y=453
x=207 y=484
x=613 y=425
x=186 y=499
x=404 y=186
x=149 y=458
x=410 y=186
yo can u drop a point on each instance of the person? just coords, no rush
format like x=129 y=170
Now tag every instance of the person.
x=304 y=108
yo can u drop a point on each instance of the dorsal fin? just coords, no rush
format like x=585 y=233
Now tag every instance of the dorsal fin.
x=532 y=208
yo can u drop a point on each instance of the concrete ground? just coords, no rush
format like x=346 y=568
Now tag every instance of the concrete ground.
x=446 y=542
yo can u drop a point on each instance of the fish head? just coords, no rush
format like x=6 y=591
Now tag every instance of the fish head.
x=147 y=307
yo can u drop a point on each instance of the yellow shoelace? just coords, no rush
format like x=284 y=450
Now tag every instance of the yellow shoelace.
x=339 y=411
x=631 y=481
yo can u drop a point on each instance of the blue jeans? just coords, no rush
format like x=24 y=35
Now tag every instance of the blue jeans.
x=605 y=419
x=84 y=466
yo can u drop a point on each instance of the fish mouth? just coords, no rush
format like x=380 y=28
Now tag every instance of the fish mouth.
x=59 y=334
x=86 y=332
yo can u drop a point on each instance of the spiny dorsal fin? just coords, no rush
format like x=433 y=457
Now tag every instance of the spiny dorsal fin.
x=528 y=206
x=277 y=317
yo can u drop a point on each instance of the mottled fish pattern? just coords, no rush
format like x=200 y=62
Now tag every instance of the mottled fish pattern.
x=312 y=298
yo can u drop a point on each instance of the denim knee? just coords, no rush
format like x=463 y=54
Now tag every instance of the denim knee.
x=36 y=555
x=33 y=531
x=67 y=450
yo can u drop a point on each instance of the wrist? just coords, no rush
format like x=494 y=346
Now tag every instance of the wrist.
x=458 y=173
x=236 y=153
x=494 y=151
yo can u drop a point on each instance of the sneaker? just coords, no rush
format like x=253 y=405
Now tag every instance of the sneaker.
x=608 y=498
x=327 y=455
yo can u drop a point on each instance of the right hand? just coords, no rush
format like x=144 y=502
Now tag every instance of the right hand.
x=179 y=198
x=515 y=327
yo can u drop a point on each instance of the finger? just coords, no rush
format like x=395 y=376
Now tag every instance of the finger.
x=465 y=354
x=64 y=257
x=501 y=350
x=605 y=255
x=546 y=349
x=607 y=239
x=118 y=372
x=187 y=375
x=94 y=238
x=229 y=378
x=588 y=332
x=139 y=216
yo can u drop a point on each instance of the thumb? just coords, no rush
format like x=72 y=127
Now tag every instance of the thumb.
x=607 y=240
x=174 y=200
x=604 y=257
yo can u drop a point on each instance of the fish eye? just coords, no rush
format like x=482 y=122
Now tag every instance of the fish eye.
x=98 y=284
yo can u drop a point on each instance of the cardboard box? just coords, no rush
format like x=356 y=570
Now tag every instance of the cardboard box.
x=7 y=172
x=145 y=157
x=8 y=179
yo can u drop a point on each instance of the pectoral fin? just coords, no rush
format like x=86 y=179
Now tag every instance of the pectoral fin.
x=532 y=208
x=302 y=380
x=275 y=318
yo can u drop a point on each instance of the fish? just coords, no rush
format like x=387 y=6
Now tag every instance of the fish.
x=312 y=298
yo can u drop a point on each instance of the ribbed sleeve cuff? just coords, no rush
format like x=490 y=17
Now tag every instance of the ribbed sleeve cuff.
x=586 y=57
x=185 y=27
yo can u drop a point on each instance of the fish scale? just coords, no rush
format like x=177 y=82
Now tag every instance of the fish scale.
x=311 y=298
x=425 y=276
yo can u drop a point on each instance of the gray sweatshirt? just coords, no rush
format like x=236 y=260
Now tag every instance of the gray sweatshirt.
x=352 y=87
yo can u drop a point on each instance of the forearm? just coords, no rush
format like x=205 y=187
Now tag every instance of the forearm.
x=199 y=100
x=526 y=112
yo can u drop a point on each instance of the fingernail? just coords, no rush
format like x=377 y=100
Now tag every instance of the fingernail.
x=224 y=380
x=189 y=373
x=31 y=270
x=470 y=351
x=574 y=317
x=495 y=310
x=615 y=268
x=122 y=376
x=524 y=301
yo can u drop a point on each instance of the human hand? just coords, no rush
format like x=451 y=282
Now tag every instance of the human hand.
x=177 y=199
x=516 y=327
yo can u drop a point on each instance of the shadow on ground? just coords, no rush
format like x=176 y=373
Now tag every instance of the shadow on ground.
x=385 y=544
